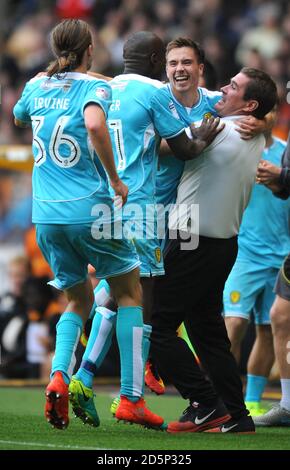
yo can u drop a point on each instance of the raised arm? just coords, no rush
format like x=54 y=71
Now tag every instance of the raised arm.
x=249 y=126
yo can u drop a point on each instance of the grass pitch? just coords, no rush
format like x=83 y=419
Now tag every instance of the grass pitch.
x=23 y=427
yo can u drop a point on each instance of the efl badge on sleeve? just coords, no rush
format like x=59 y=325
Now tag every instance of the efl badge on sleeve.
x=102 y=93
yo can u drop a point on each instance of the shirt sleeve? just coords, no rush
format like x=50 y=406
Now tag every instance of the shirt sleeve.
x=20 y=110
x=213 y=97
x=165 y=116
x=284 y=178
x=100 y=93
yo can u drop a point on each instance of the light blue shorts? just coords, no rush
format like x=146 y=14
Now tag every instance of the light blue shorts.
x=150 y=255
x=69 y=249
x=144 y=236
x=249 y=288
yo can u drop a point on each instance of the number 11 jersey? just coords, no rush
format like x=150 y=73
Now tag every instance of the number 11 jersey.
x=140 y=114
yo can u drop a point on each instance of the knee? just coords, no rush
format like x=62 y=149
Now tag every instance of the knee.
x=131 y=291
x=235 y=328
x=280 y=318
x=81 y=299
x=128 y=293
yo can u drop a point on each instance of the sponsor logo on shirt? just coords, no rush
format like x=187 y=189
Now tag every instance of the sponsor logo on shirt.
x=173 y=110
x=49 y=85
x=119 y=86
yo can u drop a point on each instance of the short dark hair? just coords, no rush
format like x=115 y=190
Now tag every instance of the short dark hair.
x=262 y=88
x=186 y=42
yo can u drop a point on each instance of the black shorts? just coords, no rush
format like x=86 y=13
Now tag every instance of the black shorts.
x=282 y=286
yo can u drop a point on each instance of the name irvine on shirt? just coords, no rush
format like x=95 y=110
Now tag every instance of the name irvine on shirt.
x=51 y=103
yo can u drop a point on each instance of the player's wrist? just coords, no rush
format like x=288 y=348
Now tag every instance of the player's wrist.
x=114 y=180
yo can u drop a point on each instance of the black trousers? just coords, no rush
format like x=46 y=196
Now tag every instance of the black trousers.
x=192 y=292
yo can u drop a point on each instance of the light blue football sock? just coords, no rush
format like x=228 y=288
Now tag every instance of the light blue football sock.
x=99 y=343
x=255 y=387
x=130 y=341
x=147 y=329
x=285 y=386
x=102 y=293
x=68 y=331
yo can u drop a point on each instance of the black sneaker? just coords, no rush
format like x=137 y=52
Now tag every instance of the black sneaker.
x=245 y=425
x=198 y=418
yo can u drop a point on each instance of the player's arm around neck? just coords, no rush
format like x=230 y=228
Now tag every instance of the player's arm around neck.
x=95 y=122
x=250 y=126
x=187 y=149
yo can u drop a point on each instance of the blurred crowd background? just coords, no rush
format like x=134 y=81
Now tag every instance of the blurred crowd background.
x=233 y=33
x=254 y=33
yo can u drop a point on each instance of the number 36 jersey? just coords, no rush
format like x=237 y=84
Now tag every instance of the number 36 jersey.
x=68 y=178
x=141 y=112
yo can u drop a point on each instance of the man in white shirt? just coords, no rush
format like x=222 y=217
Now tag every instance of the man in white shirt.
x=196 y=269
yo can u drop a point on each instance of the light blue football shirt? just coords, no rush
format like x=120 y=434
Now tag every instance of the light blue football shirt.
x=68 y=178
x=170 y=168
x=264 y=232
x=140 y=113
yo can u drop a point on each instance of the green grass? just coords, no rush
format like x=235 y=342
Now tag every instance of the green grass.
x=22 y=426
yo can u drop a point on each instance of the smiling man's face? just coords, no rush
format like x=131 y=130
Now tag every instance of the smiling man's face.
x=232 y=101
x=183 y=70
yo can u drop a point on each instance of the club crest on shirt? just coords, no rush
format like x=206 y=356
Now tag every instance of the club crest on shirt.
x=158 y=254
x=207 y=115
x=235 y=296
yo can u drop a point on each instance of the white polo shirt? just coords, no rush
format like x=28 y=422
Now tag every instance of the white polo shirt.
x=219 y=181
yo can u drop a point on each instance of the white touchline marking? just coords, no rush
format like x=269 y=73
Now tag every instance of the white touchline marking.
x=39 y=444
